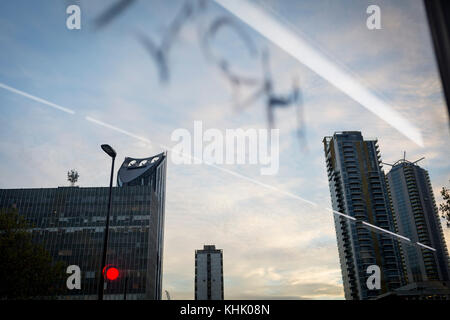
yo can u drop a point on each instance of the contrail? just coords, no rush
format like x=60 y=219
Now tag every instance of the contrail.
x=29 y=96
x=106 y=125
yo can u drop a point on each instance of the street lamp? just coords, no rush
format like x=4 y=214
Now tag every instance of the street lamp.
x=110 y=151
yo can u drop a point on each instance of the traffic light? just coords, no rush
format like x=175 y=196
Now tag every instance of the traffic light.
x=110 y=272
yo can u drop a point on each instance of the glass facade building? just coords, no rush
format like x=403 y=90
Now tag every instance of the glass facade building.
x=209 y=273
x=358 y=189
x=70 y=223
x=417 y=218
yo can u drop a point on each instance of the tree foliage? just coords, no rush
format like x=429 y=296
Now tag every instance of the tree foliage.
x=445 y=207
x=26 y=268
x=72 y=176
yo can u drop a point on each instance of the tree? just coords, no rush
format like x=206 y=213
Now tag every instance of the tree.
x=26 y=268
x=445 y=207
x=72 y=177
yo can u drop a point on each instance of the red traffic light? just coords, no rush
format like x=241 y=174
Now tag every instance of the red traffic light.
x=110 y=273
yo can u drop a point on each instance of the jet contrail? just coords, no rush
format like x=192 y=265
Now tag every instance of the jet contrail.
x=37 y=99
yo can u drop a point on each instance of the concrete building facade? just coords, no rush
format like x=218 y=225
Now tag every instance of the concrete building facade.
x=209 y=273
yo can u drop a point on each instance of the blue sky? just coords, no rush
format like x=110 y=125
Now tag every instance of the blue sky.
x=274 y=246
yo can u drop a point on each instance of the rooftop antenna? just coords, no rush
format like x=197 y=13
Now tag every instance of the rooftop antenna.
x=403 y=160
x=418 y=160
x=72 y=177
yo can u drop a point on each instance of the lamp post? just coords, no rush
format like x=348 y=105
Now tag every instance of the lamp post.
x=110 y=151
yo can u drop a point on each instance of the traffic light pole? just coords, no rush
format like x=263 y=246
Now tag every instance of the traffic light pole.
x=125 y=290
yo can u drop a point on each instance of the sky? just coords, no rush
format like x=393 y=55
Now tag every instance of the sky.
x=275 y=245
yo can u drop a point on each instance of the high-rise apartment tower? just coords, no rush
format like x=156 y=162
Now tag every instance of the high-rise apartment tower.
x=209 y=273
x=358 y=189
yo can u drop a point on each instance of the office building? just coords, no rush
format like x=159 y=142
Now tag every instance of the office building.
x=358 y=189
x=417 y=218
x=424 y=290
x=208 y=273
x=70 y=223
